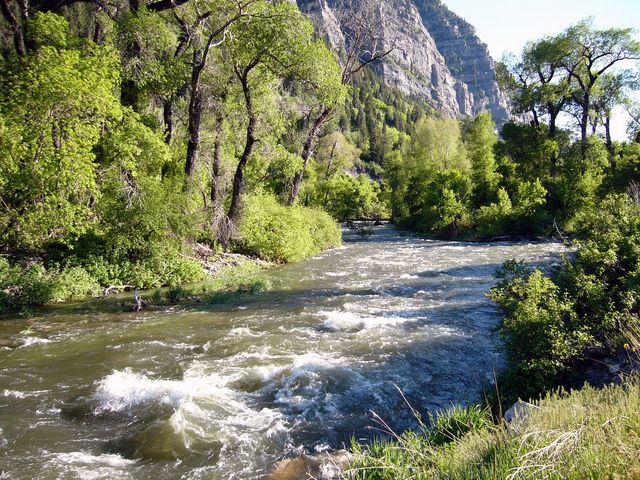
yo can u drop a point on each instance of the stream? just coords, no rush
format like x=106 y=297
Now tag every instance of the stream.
x=225 y=391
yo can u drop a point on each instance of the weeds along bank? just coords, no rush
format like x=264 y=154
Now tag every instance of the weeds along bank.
x=591 y=433
x=269 y=233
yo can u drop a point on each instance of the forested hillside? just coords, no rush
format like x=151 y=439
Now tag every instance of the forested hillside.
x=131 y=133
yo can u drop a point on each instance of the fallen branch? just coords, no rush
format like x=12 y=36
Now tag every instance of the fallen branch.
x=117 y=288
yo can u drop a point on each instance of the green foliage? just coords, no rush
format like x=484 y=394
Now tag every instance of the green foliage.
x=437 y=201
x=54 y=106
x=494 y=219
x=542 y=330
x=73 y=283
x=592 y=302
x=146 y=43
x=480 y=139
x=285 y=234
x=46 y=28
x=23 y=288
x=437 y=144
x=350 y=198
x=160 y=266
x=582 y=170
x=175 y=293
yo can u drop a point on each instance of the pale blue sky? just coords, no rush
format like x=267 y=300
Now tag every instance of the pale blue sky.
x=507 y=25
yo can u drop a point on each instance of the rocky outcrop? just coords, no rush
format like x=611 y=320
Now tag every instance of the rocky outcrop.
x=466 y=57
x=417 y=66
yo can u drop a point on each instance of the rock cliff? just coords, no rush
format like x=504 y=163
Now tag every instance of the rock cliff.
x=437 y=56
x=466 y=56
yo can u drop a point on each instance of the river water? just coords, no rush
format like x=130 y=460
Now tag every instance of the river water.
x=225 y=391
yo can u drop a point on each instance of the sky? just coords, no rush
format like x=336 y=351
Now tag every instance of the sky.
x=507 y=25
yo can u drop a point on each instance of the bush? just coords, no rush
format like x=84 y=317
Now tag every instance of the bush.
x=442 y=204
x=351 y=198
x=543 y=333
x=592 y=302
x=493 y=219
x=22 y=288
x=74 y=282
x=285 y=234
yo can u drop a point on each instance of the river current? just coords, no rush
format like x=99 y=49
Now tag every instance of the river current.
x=225 y=391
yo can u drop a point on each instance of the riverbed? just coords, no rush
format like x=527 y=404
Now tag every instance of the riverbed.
x=225 y=391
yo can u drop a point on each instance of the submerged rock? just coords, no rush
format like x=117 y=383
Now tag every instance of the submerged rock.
x=321 y=467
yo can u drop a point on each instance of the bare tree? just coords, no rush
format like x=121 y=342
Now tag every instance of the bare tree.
x=360 y=23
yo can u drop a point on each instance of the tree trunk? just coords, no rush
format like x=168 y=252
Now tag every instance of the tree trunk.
x=584 y=124
x=198 y=64
x=607 y=132
x=19 y=37
x=195 y=118
x=215 y=165
x=584 y=120
x=98 y=33
x=306 y=152
x=167 y=115
x=238 y=178
x=195 y=115
x=553 y=117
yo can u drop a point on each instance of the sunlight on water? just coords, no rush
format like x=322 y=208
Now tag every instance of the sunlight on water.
x=225 y=391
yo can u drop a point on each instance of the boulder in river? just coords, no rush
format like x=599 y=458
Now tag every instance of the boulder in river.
x=322 y=466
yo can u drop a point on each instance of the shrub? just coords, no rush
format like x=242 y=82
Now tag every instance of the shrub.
x=542 y=330
x=350 y=198
x=493 y=219
x=22 y=288
x=175 y=293
x=285 y=234
x=74 y=282
x=591 y=302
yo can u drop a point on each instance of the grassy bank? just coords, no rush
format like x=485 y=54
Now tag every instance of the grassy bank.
x=235 y=275
x=590 y=433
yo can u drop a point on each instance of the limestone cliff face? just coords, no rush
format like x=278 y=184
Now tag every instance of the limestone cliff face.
x=417 y=66
x=466 y=56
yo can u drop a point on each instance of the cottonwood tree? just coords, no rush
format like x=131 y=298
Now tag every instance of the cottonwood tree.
x=209 y=29
x=536 y=82
x=274 y=42
x=612 y=90
x=590 y=54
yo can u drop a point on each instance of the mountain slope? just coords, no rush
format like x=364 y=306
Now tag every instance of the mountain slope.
x=449 y=67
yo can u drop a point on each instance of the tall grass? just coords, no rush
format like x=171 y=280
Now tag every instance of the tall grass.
x=587 y=434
